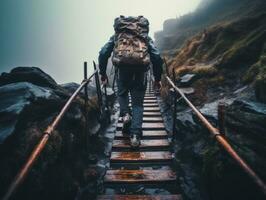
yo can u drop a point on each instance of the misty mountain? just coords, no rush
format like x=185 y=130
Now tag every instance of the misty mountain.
x=209 y=12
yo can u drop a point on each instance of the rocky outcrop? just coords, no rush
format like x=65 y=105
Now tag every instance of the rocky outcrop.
x=226 y=55
x=206 y=171
x=32 y=75
x=30 y=99
x=15 y=98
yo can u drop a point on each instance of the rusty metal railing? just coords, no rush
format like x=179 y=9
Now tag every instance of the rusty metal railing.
x=219 y=136
x=22 y=174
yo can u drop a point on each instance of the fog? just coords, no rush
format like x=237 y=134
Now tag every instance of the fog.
x=58 y=35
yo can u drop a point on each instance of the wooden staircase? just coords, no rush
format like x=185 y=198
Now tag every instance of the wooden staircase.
x=147 y=167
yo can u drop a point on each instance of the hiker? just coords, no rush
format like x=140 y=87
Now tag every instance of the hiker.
x=133 y=53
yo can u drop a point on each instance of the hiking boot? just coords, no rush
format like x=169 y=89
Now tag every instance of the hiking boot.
x=126 y=124
x=134 y=141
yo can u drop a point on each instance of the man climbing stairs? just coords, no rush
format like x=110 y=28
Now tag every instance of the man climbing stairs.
x=144 y=173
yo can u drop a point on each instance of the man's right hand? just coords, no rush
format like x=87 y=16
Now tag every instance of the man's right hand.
x=104 y=79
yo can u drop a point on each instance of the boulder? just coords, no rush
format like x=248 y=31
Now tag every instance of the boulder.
x=71 y=87
x=15 y=97
x=30 y=100
x=187 y=90
x=32 y=75
x=260 y=88
x=187 y=80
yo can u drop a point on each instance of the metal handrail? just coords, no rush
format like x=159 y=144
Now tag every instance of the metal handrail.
x=224 y=143
x=43 y=141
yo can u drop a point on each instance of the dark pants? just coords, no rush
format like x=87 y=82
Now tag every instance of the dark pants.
x=135 y=83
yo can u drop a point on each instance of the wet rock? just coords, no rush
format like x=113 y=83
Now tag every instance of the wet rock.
x=30 y=100
x=260 y=89
x=245 y=120
x=250 y=116
x=94 y=172
x=205 y=170
x=93 y=177
x=187 y=80
x=32 y=75
x=187 y=90
x=15 y=98
x=72 y=87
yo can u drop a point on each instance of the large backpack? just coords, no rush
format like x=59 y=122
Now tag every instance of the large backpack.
x=131 y=42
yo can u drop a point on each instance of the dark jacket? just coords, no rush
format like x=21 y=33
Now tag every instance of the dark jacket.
x=156 y=59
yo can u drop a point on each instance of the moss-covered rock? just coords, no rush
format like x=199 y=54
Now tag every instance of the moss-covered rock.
x=257 y=75
x=28 y=105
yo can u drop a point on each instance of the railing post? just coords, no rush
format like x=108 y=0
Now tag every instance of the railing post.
x=174 y=112
x=221 y=117
x=86 y=107
x=98 y=86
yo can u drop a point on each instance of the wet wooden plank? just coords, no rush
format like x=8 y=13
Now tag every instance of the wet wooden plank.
x=147 y=98
x=148 y=101
x=146 y=125
x=150 y=98
x=149 y=113
x=140 y=197
x=152 y=109
x=125 y=144
x=153 y=156
x=148 y=133
x=153 y=119
x=149 y=119
x=139 y=176
x=149 y=104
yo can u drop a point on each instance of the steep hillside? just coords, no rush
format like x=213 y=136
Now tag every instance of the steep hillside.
x=218 y=54
x=209 y=12
x=228 y=53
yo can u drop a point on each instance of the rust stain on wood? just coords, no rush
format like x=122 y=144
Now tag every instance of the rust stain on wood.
x=149 y=119
x=144 y=143
x=138 y=176
x=141 y=156
x=151 y=125
x=148 y=133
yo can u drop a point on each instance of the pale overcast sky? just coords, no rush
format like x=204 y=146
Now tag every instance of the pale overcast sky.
x=58 y=35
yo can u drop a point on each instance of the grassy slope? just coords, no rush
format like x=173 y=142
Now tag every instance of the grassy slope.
x=177 y=31
x=223 y=53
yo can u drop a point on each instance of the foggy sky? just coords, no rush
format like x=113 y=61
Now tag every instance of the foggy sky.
x=58 y=35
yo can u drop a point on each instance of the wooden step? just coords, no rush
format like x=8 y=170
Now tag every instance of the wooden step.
x=153 y=156
x=149 y=113
x=147 y=134
x=148 y=105
x=140 y=197
x=152 y=109
x=152 y=119
x=146 y=125
x=145 y=144
x=150 y=98
x=148 y=101
x=147 y=98
x=148 y=119
x=146 y=94
x=139 y=176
